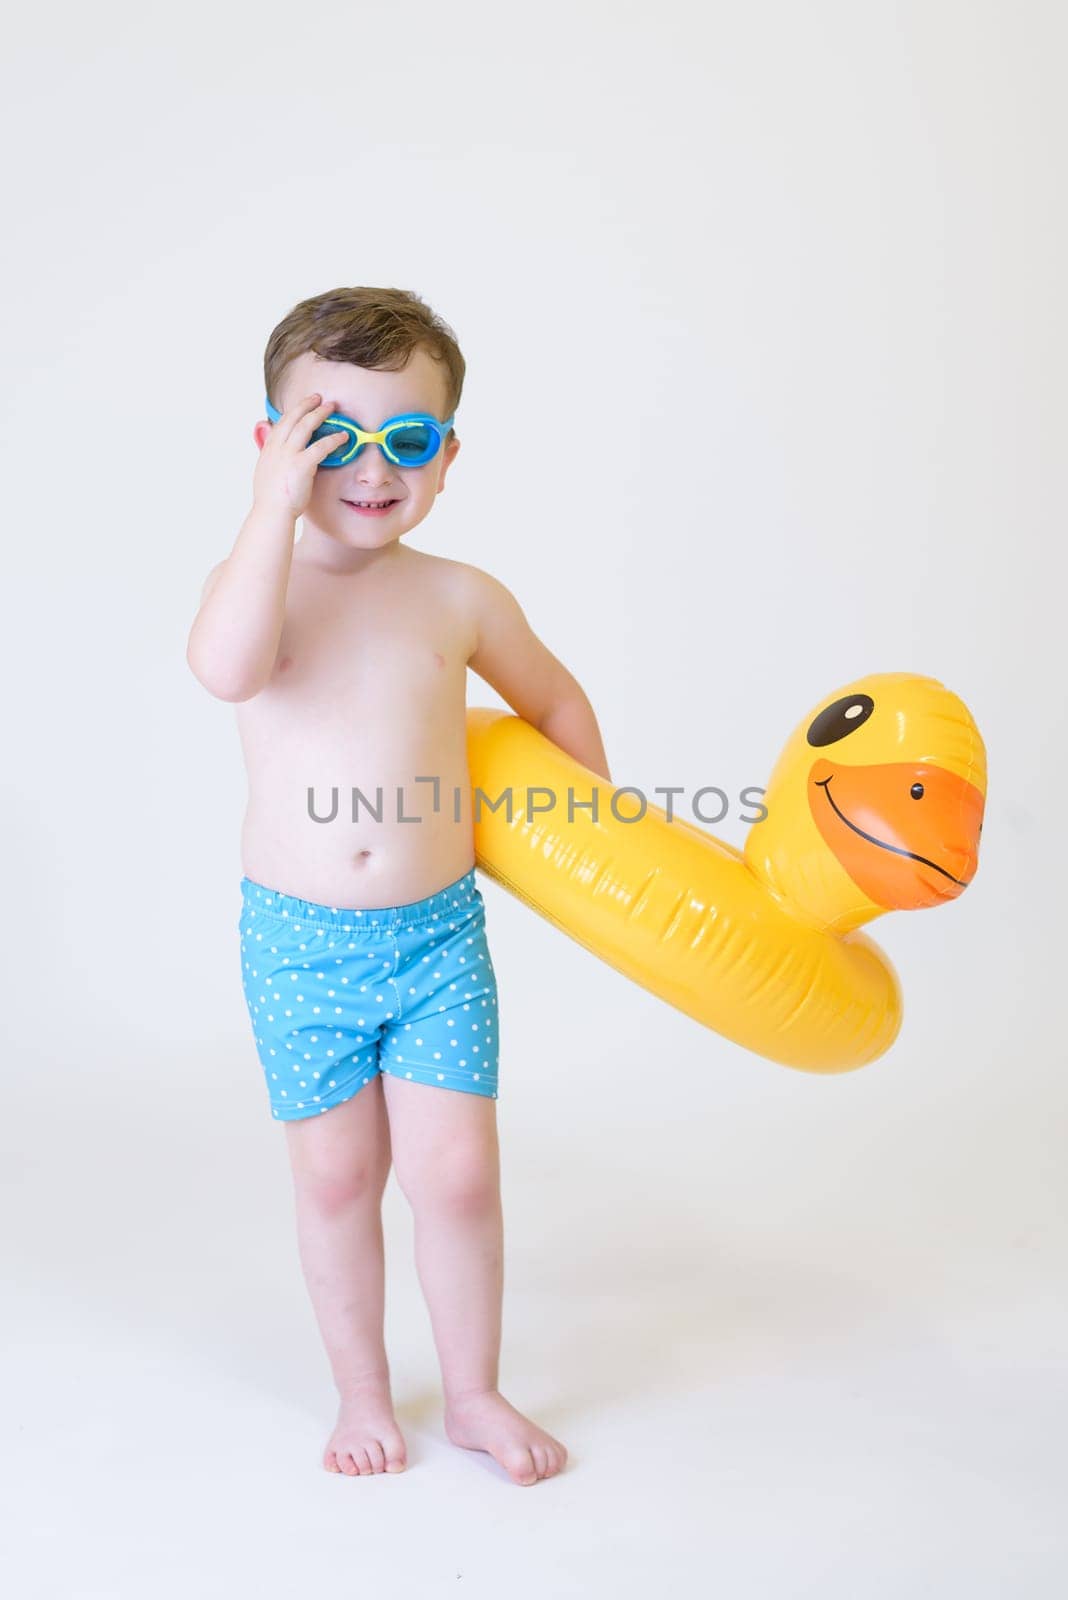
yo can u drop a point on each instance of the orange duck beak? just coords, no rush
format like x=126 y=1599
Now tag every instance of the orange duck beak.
x=906 y=833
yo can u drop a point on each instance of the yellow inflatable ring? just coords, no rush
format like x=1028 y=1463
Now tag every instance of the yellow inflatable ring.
x=875 y=804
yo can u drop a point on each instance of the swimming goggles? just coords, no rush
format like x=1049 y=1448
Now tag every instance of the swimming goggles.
x=410 y=440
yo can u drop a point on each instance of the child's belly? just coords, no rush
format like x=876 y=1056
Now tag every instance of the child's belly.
x=358 y=798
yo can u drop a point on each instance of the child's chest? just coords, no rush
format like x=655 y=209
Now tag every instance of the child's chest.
x=393 y=639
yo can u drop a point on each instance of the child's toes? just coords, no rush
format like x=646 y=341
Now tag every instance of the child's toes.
x=376 y=1456
x=330 y=1461
x=396 y=1456
x=523 y=1467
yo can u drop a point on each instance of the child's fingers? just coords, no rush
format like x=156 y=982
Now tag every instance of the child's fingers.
x=306 y=425
x=330 y=442
x=305 y=412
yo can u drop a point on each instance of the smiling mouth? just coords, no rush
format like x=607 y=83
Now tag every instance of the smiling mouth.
x=371 y=505
x=897 y=850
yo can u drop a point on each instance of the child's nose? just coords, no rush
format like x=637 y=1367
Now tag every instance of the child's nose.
x=372 y=466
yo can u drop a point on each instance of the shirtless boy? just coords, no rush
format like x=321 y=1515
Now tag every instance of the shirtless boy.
x=366 y=970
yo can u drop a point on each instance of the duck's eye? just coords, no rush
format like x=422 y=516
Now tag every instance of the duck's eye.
x=840 y=718
x=916 y=791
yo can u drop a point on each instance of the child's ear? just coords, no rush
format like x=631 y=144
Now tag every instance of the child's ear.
x=260 y=434
x=451 y=451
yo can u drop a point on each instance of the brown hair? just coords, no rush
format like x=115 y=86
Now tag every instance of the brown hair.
x=376 y=328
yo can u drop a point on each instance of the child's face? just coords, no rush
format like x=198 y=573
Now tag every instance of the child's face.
x=370 y=398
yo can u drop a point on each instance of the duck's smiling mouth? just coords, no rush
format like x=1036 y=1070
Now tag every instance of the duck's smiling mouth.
x=906 y=833
x=897 y=849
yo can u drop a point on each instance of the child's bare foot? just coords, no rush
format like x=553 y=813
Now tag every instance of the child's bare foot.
x=366 y=1438
x=488 y=1422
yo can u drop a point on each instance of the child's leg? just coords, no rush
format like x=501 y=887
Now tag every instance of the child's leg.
x=446 y=1158
x=340 y=1161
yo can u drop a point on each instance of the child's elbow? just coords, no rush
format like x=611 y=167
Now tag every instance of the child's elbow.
x=219 y=685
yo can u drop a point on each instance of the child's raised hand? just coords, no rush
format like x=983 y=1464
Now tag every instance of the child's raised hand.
x=285 y=471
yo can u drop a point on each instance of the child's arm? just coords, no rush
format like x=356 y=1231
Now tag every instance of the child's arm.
x=234 y=639
x=512 y=659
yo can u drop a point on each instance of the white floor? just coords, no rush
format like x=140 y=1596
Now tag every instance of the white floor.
x=788 y=1400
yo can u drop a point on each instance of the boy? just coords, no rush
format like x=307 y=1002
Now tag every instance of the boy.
x=366 y=970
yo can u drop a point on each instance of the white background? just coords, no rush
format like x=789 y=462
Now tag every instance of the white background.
x=763 y=311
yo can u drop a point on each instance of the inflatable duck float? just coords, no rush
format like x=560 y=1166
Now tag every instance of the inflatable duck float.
x=876 y=804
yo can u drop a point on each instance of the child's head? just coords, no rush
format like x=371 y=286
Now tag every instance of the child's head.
x=377 y=354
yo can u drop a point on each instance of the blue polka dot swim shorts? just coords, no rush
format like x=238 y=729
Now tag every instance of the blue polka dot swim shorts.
x=338 y=996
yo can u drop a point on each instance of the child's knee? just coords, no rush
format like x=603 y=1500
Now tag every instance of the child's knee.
x=462 y=1180
x=331 y=1190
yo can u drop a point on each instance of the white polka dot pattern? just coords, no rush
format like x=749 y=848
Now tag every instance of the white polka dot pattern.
x=427 y=1012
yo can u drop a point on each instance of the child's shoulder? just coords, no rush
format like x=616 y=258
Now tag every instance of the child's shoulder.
x=467 y=585
x=485 y=608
